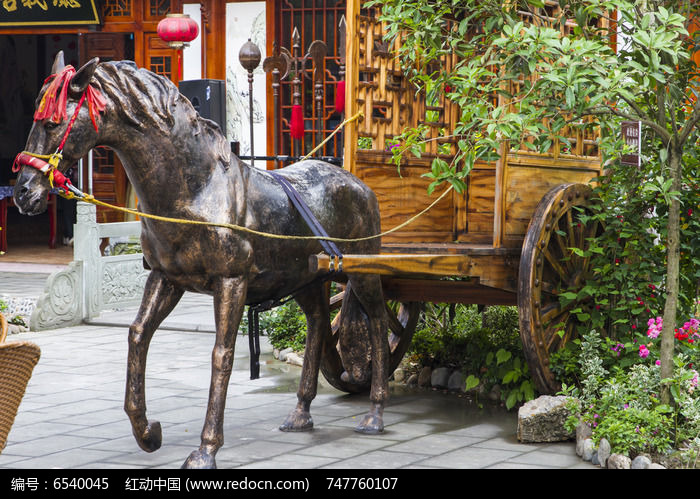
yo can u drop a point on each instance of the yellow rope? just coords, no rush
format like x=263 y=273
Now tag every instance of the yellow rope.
x=338 y=128
x=91 y=199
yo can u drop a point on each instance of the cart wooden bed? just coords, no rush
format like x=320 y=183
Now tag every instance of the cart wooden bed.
x=506 y=241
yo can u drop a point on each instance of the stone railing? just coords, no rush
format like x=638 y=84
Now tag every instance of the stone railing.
x=91 y=282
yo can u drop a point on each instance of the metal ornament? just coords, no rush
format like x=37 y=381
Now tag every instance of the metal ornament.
x=249 y=57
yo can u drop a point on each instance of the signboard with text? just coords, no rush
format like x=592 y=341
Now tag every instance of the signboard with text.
x=632 y=135
x=45 y=13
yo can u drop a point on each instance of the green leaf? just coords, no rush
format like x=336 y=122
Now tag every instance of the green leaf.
x=502 y=356
x=472 y=382
x=512 y=399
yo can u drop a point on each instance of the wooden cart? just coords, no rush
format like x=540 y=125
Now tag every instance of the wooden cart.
x=508 y=238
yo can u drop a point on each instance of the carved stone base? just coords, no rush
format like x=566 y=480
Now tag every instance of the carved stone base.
x=61 y=303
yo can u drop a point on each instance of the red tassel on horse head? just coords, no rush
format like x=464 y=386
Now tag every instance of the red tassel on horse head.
x=296 y=126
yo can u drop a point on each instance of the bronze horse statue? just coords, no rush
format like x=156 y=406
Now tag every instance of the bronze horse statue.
x=180 y=166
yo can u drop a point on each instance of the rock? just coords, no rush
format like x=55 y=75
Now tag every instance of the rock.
x=640 y=463
x=583 y=431
x=495 y=393
x=424 y=377
x=604 y=450
x=587 y=449
x=619 y=462
x=543 y=419
x=16 y=328
x=439 y=377
x=457 y=381
x=594 y=459
x=284 y=353
x=295 y=359
x=399 y=375
x=656 y=466
x=412 y=380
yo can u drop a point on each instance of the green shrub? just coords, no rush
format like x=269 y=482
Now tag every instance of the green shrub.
x=285 y=326
x=485 y=346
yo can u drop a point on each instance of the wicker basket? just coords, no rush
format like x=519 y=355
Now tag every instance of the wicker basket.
x=17 y=361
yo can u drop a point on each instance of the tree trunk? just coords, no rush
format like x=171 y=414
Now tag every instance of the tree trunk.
x=672 y=271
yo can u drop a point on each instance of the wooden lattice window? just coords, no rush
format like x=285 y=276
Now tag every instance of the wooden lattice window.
x=158 y=8
x=314 y=20
x=389 y=102
x=117 y=8
x=161 y=65
x=582 y=141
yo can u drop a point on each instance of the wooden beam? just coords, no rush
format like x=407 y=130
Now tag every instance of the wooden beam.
x=442 y=291
x=352 y=54
x=395 y=264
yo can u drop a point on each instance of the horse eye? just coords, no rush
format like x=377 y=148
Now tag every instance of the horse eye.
x=50 y=125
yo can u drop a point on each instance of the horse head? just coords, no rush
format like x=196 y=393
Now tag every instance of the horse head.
x=64 y=130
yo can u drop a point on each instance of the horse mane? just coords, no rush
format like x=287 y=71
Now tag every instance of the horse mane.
x=147 y=100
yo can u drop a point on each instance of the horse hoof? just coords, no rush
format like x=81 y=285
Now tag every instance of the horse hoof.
x=199 y=460
x=371 y=424
x=152 y=437
x=298 y=421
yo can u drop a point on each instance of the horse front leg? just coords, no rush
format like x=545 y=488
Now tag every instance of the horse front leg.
x=314 y=304
x=159 y=298
x=229 y=301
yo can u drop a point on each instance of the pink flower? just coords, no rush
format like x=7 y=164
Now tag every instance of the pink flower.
x=643 y=351
x=655 y=327
x=658 y=362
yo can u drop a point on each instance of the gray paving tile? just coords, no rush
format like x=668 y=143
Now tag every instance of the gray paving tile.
x=544 y=458
x=72 y=413
x=470 y=458
x=432 y=445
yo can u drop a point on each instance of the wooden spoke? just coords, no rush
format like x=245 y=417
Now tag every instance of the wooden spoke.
x=556 y=265
x=548 y=268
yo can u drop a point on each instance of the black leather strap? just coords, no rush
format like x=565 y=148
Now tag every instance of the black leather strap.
x=313 y=223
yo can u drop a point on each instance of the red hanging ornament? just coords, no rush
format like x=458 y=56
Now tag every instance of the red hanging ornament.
x=296 y=126
x=178 y=30
x=340 y=97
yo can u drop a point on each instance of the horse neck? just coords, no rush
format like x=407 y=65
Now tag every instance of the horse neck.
x=176 y=166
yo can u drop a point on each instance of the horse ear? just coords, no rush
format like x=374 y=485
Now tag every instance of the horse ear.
x=58 y=63
x=81 y=80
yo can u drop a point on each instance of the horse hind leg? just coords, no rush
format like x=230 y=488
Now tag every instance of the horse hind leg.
x=314 y=304
x=368 y=290
x=159 y=298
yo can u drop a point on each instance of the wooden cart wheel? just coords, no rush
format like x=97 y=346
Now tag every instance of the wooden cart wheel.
x=549 y=267
x=403 y=318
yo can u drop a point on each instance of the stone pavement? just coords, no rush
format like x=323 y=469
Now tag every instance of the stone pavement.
x=72 y=414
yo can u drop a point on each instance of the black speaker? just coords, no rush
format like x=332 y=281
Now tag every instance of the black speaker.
x=208 y=97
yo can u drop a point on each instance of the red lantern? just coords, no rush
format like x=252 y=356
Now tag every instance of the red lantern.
x=178 y=30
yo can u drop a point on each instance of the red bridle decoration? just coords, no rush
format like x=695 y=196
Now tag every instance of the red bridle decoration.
x=53 y=106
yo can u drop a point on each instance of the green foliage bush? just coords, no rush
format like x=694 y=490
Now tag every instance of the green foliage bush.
x=485 y=346
x=622 y=404
x=285 y=326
